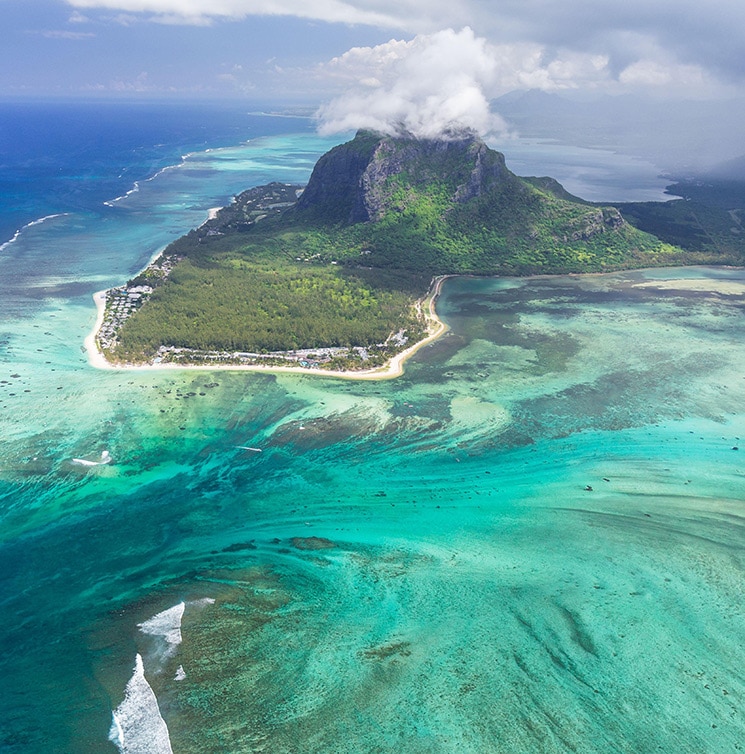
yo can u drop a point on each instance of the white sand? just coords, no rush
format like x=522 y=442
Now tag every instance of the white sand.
x=95 y=357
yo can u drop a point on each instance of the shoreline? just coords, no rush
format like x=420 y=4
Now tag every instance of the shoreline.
x=393 y=368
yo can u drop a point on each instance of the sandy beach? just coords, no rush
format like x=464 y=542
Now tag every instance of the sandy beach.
x=95 y=357
x=391 y=369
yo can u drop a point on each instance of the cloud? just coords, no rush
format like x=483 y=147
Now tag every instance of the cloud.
x=674 y=34
x=425 y=86
x=653 y=73
x=686 y=34
x=203 y=12
x=436 y=81
x=64 y=34
x=236 y=81
x=139 y=84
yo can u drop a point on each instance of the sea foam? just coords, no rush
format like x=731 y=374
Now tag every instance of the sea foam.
x=105 y=459
x=38 y=221
x=167 y=626
x=135 y=188
x=137 y=184
x=137 y=726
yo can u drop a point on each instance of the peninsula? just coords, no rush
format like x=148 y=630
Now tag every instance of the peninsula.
x=338 y=275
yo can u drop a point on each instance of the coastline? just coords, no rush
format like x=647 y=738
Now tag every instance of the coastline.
x=95 y=357
x=393 y=368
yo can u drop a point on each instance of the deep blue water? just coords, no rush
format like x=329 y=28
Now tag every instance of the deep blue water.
x=70 y=156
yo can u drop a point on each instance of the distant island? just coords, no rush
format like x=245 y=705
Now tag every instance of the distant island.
x=341 y=275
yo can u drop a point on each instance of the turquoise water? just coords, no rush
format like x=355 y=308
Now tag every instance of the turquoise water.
x=414 y=564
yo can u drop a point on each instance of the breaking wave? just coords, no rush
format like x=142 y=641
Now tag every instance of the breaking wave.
x=166 y=626
x=38 y=221
x=137 y=726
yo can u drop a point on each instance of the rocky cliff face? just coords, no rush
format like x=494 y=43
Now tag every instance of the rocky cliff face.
x=352 y=183
x=333 y=192
x=455 y=186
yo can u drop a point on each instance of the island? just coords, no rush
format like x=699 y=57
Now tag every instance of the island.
x=341 y=276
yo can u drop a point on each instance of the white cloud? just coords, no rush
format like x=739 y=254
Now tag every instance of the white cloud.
x=64 y=34
x=236 y=81
x=202 y=12
x=435 y=81
x=139 y=84
x=529 y=66
x=646 y=73
x=690 y=34
x=424 y=86
x=676 y=78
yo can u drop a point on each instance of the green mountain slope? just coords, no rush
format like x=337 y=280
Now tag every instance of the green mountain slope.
x=451 y=206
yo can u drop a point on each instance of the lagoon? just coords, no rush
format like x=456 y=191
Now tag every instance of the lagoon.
x=532 y=540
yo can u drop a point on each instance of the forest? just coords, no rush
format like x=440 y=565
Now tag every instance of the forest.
x=234 y=304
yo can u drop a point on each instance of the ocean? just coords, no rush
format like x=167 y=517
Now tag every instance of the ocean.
x=531 y=541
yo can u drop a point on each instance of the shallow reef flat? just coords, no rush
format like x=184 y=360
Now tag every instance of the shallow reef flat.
x=530 y=541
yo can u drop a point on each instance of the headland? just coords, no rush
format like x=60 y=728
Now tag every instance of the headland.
x=340 y=277
x=392 y=368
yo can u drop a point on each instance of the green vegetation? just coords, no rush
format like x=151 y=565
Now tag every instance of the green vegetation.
x=707 y=222
x=380 y=217
x=523 y=232
x=236 y=304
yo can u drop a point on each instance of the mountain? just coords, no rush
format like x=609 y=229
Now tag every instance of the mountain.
x=356 y=182
x=451 y=205
x=343 y=266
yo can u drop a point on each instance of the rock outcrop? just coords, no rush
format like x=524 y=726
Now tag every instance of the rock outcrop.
x=598 y=221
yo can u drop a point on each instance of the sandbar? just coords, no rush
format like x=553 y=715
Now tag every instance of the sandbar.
x=698 y=285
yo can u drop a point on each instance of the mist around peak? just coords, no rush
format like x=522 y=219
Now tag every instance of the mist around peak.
x=433 y=86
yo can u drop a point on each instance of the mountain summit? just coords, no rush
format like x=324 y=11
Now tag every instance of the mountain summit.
x=356 y=182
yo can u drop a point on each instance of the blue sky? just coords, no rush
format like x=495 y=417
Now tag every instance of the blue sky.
x=50 y=48
x=423 y=64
